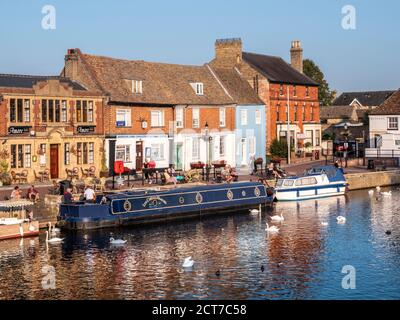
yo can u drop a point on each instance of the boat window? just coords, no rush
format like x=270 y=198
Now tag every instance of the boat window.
x=306 y=181
x=288 y=183
x=279 y=183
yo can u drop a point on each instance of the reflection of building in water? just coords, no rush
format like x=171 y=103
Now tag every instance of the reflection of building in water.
x=295 y=253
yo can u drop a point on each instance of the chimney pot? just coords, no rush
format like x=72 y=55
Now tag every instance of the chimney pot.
x=296 y=56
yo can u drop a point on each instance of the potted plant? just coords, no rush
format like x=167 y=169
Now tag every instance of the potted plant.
x=5 y=177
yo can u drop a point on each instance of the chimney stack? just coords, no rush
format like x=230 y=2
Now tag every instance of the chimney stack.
x=296 y=56
x=228 y=52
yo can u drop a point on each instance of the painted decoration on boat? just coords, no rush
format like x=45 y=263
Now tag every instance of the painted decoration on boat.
x=199 y=197
x=229 y=194
x=154 y=202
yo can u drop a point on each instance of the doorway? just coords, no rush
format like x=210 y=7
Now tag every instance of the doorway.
x=244 y=152
x=139 y=155
x=54 y=158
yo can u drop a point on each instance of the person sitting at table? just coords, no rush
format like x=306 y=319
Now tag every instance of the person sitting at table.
x=33 y=194
x=89 y=194
x=226 y=174
x=169 y=178
x=68 y=198
x=234 y=175
x=16 y=193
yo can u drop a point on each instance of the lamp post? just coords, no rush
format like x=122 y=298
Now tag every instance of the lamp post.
x=207 y=139
x=346 y=142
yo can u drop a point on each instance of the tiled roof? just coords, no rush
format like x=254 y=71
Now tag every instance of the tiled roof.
x=162 y=83
x=337 y=112
x=275 y=69
x=390 y=107
x=28 y=81
x=238 y=87
x=366 y=98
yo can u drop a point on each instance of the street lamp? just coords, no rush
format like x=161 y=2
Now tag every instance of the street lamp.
x=207 y=139
x=346 y=142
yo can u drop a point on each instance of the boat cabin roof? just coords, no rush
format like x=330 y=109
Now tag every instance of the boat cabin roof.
x=150 y=192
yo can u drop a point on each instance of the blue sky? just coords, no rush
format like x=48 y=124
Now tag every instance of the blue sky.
x=179 y=31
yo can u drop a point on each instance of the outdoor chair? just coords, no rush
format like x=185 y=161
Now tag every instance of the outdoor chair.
x=24 y=176
x=14 y=177
x=85 y=173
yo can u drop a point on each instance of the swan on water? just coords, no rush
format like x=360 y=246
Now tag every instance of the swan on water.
x=341 y=219
x=255 y=211
x=53 y=240
x=371 y=192
x=188 y=262
x=53 y=229
x=324 y=224
x=378 y=188
x=117 y=241
x=272 y=229
x=388 y=194
x=278 y=218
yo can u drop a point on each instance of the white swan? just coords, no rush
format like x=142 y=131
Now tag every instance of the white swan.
x=324 y=224
x=278 y=218
x=341 y=219
x=272 y=229
x=378 y=188
x=387 y=194
x=188 y=262
x=371 y=192
x=255 y=211
x=52 y=240
x=117 y=241
x=53 y=230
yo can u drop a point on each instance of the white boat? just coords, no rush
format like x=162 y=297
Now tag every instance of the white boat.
x=319 y=182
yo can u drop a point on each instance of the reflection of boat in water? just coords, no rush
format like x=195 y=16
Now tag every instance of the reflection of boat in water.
x=142 y=206
x=14 y=222
x=319 y=182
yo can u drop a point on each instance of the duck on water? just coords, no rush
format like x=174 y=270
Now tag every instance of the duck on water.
x=160 y=205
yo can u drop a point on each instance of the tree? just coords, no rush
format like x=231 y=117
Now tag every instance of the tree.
x=325 y=95
x=278 y=148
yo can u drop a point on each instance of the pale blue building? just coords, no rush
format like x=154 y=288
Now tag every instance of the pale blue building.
x=250 y=118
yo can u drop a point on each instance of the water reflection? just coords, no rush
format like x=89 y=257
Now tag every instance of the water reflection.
x=303 y=261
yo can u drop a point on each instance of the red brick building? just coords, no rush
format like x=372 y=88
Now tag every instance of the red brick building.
x=274 y=80
x=158 y=111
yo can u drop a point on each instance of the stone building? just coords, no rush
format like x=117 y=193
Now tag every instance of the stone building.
x=49 y=124
x=159 y=111
x=275 y=81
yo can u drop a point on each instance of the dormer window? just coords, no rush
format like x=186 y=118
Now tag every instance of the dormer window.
x=137 y=86
x=198 y=87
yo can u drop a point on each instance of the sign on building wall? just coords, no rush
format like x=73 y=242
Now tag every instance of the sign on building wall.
x=18 y=130
x=85 y=129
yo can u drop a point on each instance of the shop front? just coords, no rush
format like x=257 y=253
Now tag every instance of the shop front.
x=53 y=153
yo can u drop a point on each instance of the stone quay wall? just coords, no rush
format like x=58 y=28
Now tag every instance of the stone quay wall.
x=367 y=180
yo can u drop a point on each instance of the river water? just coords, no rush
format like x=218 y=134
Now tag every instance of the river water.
x=303 y=261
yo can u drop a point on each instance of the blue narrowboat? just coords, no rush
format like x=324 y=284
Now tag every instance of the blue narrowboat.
x=157 y=205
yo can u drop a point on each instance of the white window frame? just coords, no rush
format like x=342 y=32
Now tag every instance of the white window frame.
x=258 y=116
x=137 y=86
x=126 y=150
x=393 y=123
x=179 y=117
x=222 y=146
x=222 y=117
x=127 y=115
x=199 y=88
x=27 y=111
x=157 y=151
x=196 y=148
x=195 y=118
x=157 y=118
x=243 y=117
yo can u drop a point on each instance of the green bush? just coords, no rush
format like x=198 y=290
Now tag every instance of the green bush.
x=278 y=149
